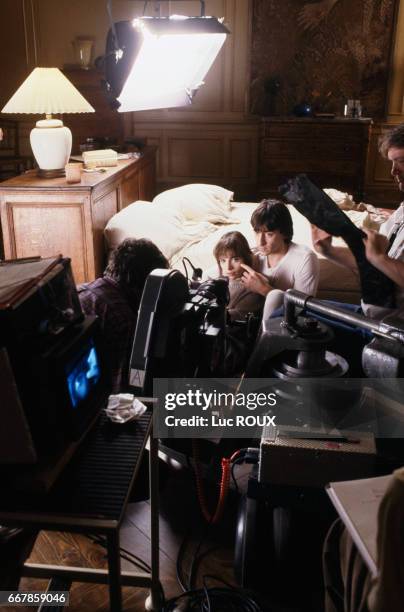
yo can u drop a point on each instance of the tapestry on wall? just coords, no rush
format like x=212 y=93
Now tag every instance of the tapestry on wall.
x=320 y=53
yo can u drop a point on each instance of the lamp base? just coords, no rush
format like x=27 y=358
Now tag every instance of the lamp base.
x=49 y=174
x=51 y=144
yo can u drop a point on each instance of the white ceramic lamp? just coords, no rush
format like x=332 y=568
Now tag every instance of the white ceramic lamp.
x=47 y=91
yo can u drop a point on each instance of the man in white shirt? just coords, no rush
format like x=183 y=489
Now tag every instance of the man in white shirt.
x=280 y=264
x=384 y=250
x=346 y=575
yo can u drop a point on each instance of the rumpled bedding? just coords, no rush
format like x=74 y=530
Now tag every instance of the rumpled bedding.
x=179 y=235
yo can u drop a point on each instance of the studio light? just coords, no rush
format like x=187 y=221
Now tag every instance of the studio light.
x=164 y=60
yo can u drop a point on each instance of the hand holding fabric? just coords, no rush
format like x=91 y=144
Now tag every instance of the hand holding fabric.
x=376 y=245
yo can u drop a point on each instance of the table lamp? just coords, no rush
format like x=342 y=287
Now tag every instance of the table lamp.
x=48 y=91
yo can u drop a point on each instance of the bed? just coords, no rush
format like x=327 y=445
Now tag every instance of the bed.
x=188 y=221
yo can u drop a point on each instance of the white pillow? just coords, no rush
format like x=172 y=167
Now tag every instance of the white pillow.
x=143 y=220
x=163 y=227
x=198 y=202
x=343 y=200
x=361 y=219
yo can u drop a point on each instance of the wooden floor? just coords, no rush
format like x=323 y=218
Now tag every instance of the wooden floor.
x=179 y=517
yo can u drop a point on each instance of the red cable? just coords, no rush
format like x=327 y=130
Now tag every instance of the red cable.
x=224 y=489
x=236 y=454
x=224 y=485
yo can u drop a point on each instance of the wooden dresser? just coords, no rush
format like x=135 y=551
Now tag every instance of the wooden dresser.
x=332 y=152
x=48 y=216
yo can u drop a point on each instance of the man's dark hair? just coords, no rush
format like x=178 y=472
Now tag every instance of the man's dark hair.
x=132 y=261
x=273 y=215
x=392 y=138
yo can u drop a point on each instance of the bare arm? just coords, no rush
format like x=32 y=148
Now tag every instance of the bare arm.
x=376 y=246
x=342 y=256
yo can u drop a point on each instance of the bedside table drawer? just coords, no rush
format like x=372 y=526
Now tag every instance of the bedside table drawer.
x=332 y=152
x=310 y=150
x=312 y=130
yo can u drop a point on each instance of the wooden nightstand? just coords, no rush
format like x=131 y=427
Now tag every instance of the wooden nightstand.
x=332 y=152
x=48 y=216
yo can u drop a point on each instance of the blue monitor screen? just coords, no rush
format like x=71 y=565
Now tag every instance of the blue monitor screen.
x=83 y=374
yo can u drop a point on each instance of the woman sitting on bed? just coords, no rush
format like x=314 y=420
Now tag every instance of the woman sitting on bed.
x=231 y=252
x=279 y=263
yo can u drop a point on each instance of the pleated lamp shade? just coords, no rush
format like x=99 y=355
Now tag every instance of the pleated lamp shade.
x=47 y=91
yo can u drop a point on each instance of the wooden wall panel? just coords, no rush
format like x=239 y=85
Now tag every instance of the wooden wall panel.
x=17 y=48
x=396 y=81
x=240 y=17
x=195 y=157
x=241 y=158
x=225 y=154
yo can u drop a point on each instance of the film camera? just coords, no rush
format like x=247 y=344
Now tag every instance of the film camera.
x=180 y=331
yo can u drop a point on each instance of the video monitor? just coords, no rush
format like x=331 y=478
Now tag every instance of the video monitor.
x=83 y=374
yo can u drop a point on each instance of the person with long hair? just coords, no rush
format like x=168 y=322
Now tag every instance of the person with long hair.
x=115 y=299
x=230 y=253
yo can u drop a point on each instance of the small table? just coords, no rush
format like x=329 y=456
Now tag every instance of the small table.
x=90 y=497
x=47 y=217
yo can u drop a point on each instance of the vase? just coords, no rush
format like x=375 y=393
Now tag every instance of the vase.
x=83 y=48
